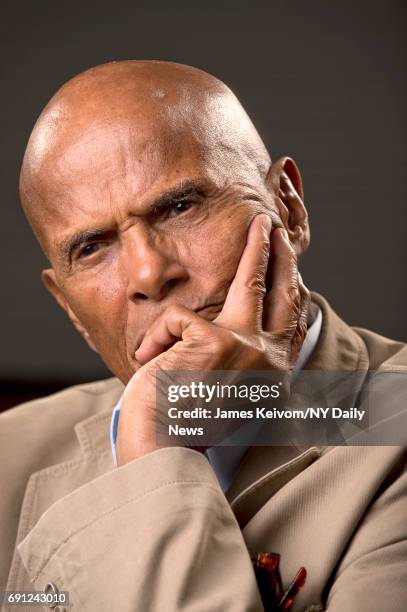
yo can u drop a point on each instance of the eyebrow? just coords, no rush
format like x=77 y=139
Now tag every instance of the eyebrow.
x=70 y=244
x=184 y=189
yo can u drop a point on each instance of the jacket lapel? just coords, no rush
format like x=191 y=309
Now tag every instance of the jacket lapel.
x=266 y=469
x=310 y=520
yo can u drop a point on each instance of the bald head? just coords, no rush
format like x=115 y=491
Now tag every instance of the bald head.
x=146 y=111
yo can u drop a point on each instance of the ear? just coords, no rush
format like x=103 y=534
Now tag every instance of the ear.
x=49 y=279
x=285 y=181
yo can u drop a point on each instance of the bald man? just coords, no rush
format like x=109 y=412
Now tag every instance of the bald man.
x=173 y=243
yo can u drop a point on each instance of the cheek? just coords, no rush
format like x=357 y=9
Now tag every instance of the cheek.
x=99 y=303
x=102 y=308
x=216 y=246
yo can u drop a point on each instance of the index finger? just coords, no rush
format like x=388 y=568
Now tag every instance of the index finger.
x=282 y=304
x=243 y=307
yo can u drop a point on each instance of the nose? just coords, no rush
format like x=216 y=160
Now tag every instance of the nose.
x=151 y=267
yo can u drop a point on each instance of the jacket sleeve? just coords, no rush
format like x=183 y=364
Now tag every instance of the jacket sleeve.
x=156 y=534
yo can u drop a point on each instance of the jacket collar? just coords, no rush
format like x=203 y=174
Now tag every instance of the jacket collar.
x=93 y=432
x=339 y=347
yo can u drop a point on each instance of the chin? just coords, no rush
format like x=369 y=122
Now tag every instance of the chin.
x=125 y=371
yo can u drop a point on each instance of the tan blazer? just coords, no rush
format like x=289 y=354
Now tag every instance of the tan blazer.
x=158 y=534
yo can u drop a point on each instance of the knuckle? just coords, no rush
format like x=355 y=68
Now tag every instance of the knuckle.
x=216 y=344
x=173 y=310
x=302 y=325
x=293 y=265
x=256 y=284
x=265 y=247
x=220 y=341
x=294 y=297
x=292 y=254
x=262 y=344
x=305 y=293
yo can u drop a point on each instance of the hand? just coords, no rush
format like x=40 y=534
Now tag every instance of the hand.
x=256 y=330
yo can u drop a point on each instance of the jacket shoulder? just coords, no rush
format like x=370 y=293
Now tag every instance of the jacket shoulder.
x=383 y=352
x=44 y=429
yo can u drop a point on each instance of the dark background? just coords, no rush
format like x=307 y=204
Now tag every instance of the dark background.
x=325 y=82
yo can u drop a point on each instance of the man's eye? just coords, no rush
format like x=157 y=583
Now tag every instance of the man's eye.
x=178 y=208
x=171 y=210
x=89 y=249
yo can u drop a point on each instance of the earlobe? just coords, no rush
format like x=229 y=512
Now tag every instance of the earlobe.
x=285 y=181
x=49 y=280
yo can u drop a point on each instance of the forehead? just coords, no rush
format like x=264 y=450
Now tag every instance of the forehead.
x=120 y=152
x=112 y=167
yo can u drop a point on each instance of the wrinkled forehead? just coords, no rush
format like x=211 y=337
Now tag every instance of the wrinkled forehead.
x=131 y=153
x=114 y=168
x=153 y=133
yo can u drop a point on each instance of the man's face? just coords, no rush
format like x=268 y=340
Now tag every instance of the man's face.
x=138 y=218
